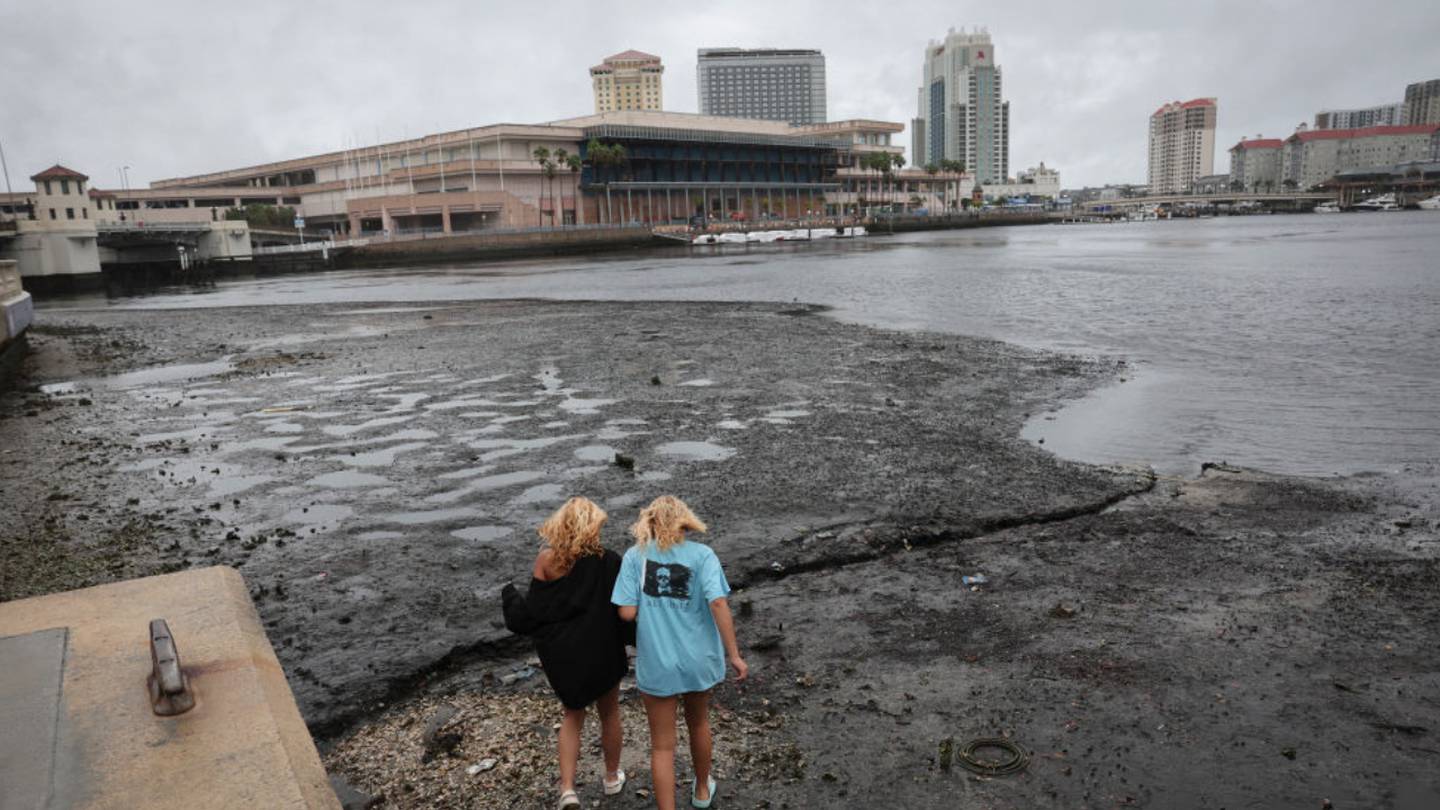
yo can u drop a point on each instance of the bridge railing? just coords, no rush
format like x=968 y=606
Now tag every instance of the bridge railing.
x=309 y=247
x=439 y=233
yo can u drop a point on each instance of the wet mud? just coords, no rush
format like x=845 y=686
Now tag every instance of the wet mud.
x=377 y=473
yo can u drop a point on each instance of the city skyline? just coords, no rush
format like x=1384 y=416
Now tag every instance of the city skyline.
x=111 y=93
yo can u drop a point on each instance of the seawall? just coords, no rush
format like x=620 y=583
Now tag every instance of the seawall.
x=17 y=309
x=496 y=245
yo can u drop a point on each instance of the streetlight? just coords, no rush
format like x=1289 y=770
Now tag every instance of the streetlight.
x=124 y=184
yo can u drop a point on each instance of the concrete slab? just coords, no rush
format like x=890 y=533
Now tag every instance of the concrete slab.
x=33 y=669
x=243 y=745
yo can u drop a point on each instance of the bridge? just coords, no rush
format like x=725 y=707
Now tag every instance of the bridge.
x=1288 y=198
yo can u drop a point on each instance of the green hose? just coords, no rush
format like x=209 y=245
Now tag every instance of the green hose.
x=1019 y=758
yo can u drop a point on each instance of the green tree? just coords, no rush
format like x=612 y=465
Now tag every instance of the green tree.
x=572 y=162
x=260 y=215
x=897 y=163
x=547 y=169
x=562 y=158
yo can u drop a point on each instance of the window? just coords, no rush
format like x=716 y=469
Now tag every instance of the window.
x=84 y=213
x=64 y=186
x=69 y=212
x=52 y=213
x=47 y=190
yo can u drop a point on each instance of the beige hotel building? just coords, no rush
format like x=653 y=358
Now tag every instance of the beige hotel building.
x=628 y=81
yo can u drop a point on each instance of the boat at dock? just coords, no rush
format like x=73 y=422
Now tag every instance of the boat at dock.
x=1431 y=204
x=1384 y=202
x=792 y=235
x=1327 y=208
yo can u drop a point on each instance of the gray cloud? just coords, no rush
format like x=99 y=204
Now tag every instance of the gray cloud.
x=174 y=88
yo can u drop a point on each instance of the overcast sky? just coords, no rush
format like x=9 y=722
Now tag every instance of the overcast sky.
x=176 y=88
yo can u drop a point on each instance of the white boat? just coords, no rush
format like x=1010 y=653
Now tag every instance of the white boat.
x=1327 y=208
x=732 y=238
x=1431 y=204
x=1385 y=202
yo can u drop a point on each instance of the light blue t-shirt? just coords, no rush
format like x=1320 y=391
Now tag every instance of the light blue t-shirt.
x=678 y=647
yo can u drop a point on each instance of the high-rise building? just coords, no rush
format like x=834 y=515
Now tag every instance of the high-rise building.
x=765 y=83
x=1182 y=145
x=962 y=113
x=1255 y=165
x=1384 y=115
x=1422 y=103
x=628 y=81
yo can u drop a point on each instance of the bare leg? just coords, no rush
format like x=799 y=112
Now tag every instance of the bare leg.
x=660 y=711
x=611 y=732
x=697 y=720
x=570 y=728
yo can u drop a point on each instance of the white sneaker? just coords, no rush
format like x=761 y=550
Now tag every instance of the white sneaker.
x=568 y=799
x=612 y=788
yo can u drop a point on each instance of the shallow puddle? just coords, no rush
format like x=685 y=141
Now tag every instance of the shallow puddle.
x=544 y=493
x=380 y=458
x=431 y=516
x=695 y=451
x=483 y=533
x=320 y=514
x=347 y=479
x=595 y=452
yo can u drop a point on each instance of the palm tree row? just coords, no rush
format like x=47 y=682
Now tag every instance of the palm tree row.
x=885 y=164
x=605 y=156
x=550 y=164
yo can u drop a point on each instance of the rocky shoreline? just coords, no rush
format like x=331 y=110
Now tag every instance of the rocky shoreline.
x=376 y=474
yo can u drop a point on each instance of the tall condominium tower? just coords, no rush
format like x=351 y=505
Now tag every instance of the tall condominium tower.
x=962 y=112
x=1182 y=145
x=1422 y=103
x=1384 y=115
x=767 y=83
x=628 y=81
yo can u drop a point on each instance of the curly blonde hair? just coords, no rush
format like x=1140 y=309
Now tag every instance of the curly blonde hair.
x=665 y=520
x=574 y=531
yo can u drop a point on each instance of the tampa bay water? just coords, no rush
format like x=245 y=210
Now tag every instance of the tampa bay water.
x=1305 y=344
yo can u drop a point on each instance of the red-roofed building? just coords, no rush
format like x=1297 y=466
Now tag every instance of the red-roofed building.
x=629 y=80
x=1255 y=164
x=1182 y=145
x=58 y=172
x=1312 y=156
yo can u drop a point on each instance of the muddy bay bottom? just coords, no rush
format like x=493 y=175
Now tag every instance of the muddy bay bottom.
x=377 y=473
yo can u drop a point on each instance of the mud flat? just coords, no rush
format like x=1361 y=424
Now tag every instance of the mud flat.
x=376 y=474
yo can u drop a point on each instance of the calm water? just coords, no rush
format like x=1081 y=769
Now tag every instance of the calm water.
x=1301 y=344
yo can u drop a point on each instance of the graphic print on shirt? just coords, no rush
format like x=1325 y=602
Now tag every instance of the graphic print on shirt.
x=667 y=579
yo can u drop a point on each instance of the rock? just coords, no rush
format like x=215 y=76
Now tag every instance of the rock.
x=1062 y=611
x=436 y=739
x=1288 y=753
x=350 y=798
x=624 y=462
x=481 y=766
x=655 y=380
x=518 y=675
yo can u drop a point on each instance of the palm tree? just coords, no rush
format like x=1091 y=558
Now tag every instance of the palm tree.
x=955 y=167
x=572 y=162
x=542 y=157
x=561 y=158
x=931 y=169
x=897 y=162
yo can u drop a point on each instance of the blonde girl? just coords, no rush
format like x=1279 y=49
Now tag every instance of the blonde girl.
x=676 y=591
x=566 y=611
